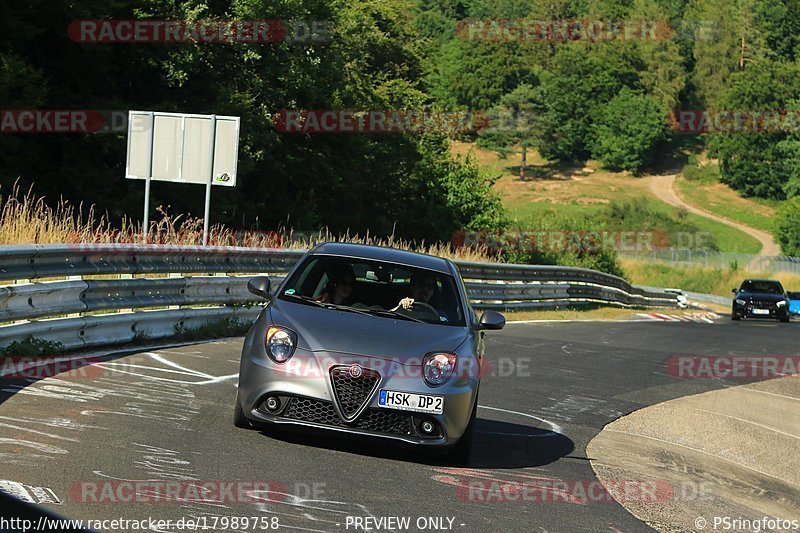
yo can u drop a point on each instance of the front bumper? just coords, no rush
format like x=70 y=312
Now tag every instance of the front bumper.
x=750 y=310
x=304 y=390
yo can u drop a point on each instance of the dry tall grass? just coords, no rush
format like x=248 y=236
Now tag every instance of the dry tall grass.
x=26 y=218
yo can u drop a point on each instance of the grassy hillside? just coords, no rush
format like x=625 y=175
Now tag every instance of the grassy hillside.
x=564 y=191
x=724 y=201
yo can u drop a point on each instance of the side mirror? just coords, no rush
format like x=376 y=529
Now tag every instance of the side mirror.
x=491 y=320
x=734 y=291
x=259 y=286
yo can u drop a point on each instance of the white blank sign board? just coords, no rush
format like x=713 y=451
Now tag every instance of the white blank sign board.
x=177 y=147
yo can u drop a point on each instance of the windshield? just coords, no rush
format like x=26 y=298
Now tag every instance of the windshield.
x=383 y=289
x=766 y=287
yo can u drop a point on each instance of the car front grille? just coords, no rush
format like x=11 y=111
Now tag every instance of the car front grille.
x=372 y=419
x=762 y=304
x=352 y=392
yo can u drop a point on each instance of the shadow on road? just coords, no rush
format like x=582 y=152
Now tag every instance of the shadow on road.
x=496 y=444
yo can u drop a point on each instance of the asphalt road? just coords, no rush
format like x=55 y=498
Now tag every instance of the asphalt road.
x=165 y=415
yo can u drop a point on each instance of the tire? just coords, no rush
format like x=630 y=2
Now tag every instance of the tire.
x=239 y=420
x=462 y=450
x=784 y=319
x=734 y=316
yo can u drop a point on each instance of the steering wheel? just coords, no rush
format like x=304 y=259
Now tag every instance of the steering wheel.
x=426 y=309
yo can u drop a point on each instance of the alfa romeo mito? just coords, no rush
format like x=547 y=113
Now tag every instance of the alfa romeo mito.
x=367 y=340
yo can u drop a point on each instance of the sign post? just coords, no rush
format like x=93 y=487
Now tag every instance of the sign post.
x=171 y=146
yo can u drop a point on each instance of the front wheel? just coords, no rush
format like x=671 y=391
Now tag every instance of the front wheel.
x=784 y=319
x=239 y=420
x=734 y=316
x=462 y=450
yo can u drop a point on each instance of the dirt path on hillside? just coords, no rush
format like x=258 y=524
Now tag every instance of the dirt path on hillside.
x=663 y=188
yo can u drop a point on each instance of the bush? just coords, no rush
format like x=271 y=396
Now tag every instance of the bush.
x=213 y=329
x=708 y=173
x=444 y=194
x=787 y=227
x=639 y=213
x=32 y=347
x=564 y=242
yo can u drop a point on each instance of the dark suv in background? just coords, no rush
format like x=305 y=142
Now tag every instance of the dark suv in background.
x=760 y=298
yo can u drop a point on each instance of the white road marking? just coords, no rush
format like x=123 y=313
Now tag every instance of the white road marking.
x=553 y=426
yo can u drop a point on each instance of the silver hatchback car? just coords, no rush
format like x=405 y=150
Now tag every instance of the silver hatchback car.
x=370 y=341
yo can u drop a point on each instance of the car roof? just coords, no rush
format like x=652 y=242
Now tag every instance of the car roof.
x=382 y=253
x=762 y=280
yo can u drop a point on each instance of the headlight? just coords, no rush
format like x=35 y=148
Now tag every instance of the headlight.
x=740 y=301
x=280 y=344
x=438 y=367
x=781 y=303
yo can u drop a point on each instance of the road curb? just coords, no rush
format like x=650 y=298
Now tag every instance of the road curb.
x=724 y=453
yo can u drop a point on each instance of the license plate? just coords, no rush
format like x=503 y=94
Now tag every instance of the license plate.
x=760 y=311
x=409 y=401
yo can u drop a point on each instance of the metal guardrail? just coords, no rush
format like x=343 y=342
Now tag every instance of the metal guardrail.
x=75 y=311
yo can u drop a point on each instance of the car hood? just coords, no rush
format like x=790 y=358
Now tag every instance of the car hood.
x=344 y=332
x=762 y=296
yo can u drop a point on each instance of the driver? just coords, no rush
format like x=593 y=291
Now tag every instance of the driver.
x=422 y=286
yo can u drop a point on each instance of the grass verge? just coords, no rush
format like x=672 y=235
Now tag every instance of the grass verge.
x=574 y=313
x=717 y=281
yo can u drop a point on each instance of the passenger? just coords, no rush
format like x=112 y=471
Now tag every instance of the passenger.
x=340 y=285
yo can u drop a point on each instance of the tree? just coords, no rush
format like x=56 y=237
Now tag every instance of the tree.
x=475 y=74
x=716 y=47
x=583 y=80
x=512 y=122
x=628 y=130
x=787 y=227
x=759 y=163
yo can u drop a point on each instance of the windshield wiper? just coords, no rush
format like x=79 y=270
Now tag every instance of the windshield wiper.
x=306 y=299
x=394 y=314
x=368 y=312
x=327 y=305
